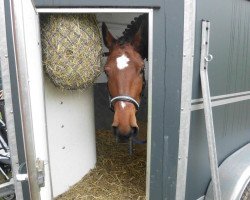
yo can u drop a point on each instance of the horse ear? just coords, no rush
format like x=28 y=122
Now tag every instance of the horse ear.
x=108 y=38
x=137 y=39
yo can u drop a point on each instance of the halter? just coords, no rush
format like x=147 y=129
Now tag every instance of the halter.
x=123 y=98
x=126 y=97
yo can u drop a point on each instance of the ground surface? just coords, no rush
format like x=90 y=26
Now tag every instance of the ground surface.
x=117 y=175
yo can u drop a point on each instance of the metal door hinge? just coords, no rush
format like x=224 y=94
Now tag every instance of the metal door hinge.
x=20 y=176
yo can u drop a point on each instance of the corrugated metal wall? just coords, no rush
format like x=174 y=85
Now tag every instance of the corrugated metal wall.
x=229 y=72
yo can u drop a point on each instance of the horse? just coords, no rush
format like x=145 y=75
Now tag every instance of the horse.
x=125 y=69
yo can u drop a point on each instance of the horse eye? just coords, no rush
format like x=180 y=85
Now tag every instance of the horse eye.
x=106 y=72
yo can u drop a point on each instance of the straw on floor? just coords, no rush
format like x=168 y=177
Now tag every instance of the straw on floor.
x=117 y=175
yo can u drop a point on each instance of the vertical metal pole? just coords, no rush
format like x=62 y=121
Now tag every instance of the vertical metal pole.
x=186 y=97
x=150 y=86
x=24 y=96
x=205 y=58
x=8 y=101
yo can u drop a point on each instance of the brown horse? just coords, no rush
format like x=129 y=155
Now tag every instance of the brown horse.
x=125 y=72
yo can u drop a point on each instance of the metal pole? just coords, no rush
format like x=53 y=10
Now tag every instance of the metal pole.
x=205 y=58
x=24 y=96
x=186 y=97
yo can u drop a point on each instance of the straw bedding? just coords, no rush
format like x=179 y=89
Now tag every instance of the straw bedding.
x=117 y=175
x=71 y=49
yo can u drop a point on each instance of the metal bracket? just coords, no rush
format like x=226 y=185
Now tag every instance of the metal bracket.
x=21 y=176
x=40 y=173
x=205 y=58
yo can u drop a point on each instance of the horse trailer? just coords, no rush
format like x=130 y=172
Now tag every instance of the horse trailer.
x=197 y=100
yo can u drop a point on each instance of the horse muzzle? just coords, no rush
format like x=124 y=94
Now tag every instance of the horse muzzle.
x=124 y=137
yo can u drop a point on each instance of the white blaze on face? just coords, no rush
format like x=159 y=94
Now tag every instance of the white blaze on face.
x=123 y=104
x=122 y=62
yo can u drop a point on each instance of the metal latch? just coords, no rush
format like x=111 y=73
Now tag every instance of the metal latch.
x=20 y=176
x=40 y=173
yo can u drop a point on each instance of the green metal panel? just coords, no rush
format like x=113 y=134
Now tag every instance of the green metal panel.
x=232 y=125
x=229 y=71
x=167 y=76
x=97 y=3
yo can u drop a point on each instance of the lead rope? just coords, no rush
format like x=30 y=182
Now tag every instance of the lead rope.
x=132 y=141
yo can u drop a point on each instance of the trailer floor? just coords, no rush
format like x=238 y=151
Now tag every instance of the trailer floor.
x=117 y=175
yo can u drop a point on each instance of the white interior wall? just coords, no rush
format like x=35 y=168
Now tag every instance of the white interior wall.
x=71 y=135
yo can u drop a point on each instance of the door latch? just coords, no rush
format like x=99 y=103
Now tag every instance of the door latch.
x=40 y=172
x=20 y=176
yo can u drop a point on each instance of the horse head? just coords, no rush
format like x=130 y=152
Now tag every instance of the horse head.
x=125 y=73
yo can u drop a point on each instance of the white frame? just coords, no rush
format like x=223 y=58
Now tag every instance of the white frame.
x=150 y=62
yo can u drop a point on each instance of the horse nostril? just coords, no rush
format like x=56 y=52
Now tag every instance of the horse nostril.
x=135 y=131
x=114 y=130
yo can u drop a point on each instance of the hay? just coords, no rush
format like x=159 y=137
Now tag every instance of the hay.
x=71 y=49
x=117 y=176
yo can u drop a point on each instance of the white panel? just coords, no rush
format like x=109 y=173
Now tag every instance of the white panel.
x=116 y=18
x=71 y=133
x=35 y=74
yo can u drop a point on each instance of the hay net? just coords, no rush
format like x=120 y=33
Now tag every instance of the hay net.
x=71 y=49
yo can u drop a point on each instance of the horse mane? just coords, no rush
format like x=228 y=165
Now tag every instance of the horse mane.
x=132 y=29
